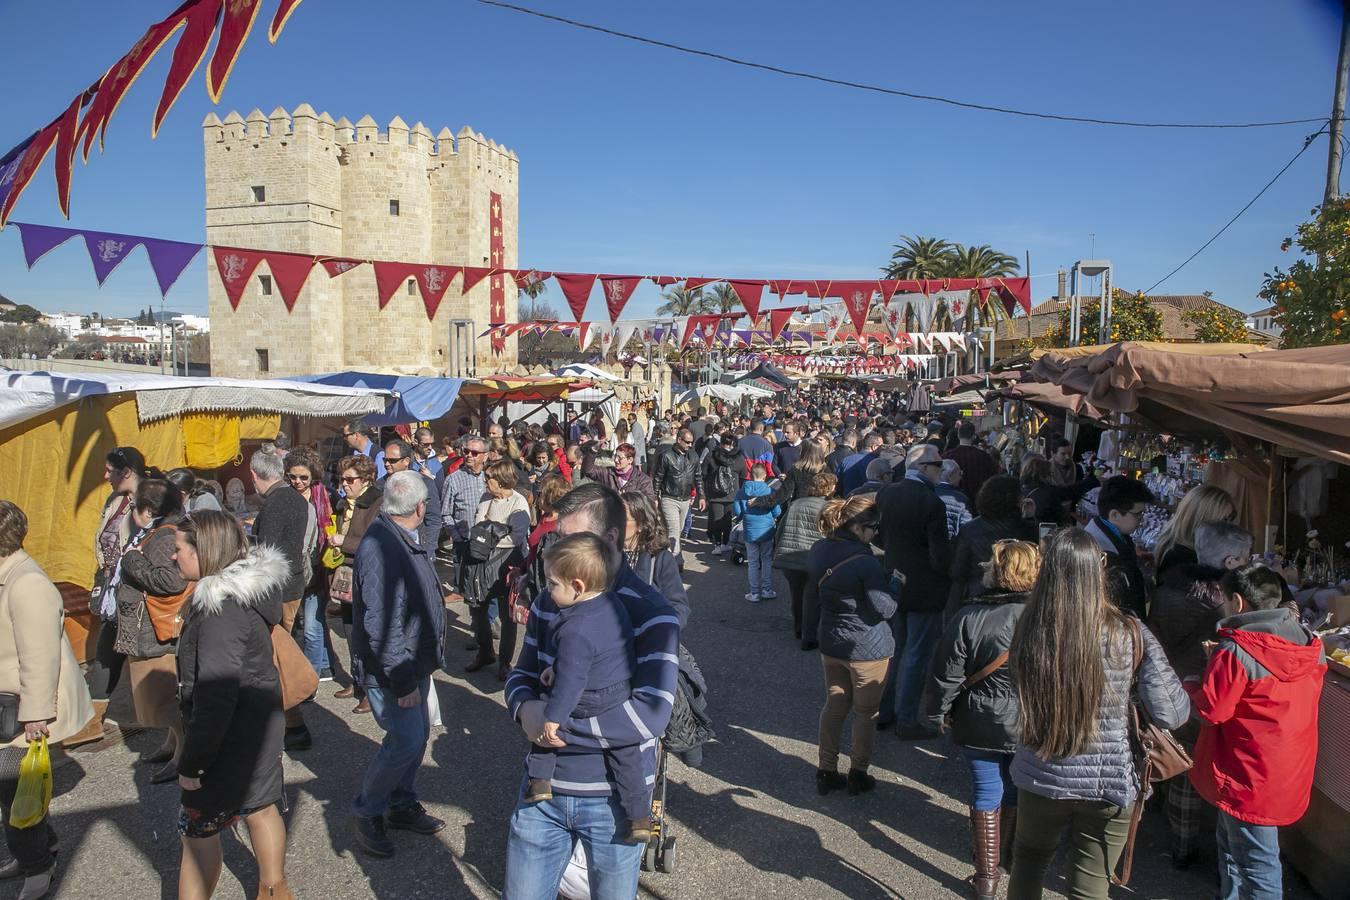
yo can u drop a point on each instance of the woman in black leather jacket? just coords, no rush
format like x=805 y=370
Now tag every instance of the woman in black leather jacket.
x=971 y=692
x=1000 y=518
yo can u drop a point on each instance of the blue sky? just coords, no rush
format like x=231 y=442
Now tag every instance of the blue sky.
x=636 y=159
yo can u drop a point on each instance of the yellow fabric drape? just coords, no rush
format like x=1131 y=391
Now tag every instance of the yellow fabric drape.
x=211 y=440
x=52 y=467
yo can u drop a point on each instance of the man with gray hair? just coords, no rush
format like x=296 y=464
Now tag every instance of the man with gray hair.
x=398 y=627
x=286 y=521
x=464 y=488
x=958 y=503
x=1187 y=606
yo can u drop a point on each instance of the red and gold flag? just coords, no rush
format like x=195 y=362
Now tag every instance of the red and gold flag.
x=234 y=266
x=200 y=21
x=388 y=277
x=283 y=13
x=235 y=26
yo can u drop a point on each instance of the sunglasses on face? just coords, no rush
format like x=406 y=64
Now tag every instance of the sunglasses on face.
x=299 y=478
x=393 y=459
x=474 y=452
x=349 y=479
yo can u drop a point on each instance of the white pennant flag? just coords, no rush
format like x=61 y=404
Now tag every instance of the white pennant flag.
x=834 y=320
x=893 y=315
x=956 y=303
x=624 y=331
x=605 y=332
x=924 y=306
x=583 y=335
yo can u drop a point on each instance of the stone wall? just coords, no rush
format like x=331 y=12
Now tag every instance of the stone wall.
x=328 y=191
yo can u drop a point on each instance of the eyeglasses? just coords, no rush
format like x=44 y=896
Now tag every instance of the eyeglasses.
x=388 y=459
x=474 y=452
x=349 y=479
x=299 y=478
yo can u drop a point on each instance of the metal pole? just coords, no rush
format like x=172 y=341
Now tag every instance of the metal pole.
x=1333 y=188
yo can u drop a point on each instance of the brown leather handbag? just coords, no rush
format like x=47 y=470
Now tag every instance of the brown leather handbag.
x=1158 y=755
x=298 y=679
x=166 y=613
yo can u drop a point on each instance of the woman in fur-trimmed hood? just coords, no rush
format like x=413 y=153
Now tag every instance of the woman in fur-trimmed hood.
x=231 y=701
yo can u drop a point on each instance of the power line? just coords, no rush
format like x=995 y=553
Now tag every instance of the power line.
x=894 y=92
x=1307 y=142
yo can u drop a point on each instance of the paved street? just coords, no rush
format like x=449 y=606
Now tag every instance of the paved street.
x=749 y=823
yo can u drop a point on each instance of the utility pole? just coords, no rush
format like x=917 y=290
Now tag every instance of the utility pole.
x=1333 y=189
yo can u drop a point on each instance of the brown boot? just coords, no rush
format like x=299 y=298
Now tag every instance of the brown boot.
x=984 y=827
x=92 y=731
x=1008 y=827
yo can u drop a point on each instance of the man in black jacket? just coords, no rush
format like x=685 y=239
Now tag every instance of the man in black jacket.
x=914 y=537
x=677 y=477
x=286 y=521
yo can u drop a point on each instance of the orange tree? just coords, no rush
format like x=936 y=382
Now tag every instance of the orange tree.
x=1133 y=318
x=1312 y=296
x=1217 y=324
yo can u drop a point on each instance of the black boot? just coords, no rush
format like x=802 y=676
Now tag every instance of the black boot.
x=1008 y=830
x=859 y=782
x=827 y=781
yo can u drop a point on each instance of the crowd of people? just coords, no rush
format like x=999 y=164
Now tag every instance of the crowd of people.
x=948 y=587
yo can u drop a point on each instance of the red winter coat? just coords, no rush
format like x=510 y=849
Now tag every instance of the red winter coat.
x=1258 y=704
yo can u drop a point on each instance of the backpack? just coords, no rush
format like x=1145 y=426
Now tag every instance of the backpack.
x=484 y=538
x=725 y=482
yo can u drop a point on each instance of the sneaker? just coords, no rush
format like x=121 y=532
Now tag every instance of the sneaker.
x=769 y=595
x=36 y=886
x=297 y=738
x=753 y=598
x=12 y=869
x=859 y=782
x=721 y=550
x=413 y=818
x=639 y=831
x=325 y=674
x=372 y=838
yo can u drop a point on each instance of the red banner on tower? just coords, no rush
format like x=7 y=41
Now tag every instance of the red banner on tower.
x=497 y=249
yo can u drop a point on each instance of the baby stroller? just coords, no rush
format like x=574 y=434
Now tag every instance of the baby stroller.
x=689 y=729
x=659 y=854
x=737 y=542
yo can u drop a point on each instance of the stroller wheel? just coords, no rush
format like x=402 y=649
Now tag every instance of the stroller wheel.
x=665 y=856
x=737 y=557
x=647 y=858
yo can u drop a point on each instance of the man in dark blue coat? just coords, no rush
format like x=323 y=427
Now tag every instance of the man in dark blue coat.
x=398 y=626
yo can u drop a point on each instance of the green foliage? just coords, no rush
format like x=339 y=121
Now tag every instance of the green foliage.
x=1133 y=318
x=21 y=340
x=680 y=302
x=23 y=314
x=1312 y=297
x=921 y=257
x=1217 y=325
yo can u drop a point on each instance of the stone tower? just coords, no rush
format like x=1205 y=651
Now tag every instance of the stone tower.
x=302 y=183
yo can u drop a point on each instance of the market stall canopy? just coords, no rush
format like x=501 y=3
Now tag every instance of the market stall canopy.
x=585 y=370
x=1298 y=399
x=767 y=372
x=416 y=399
x=976 y=380
x=1164 y=346
x=1051 y=398
x=521 y=390
x=30 y=394
x=728 y=393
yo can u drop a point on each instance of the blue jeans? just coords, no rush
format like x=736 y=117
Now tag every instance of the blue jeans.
x=541 y=839
x=759 y=565
x=388 y=782
x=915 y=635
x=1249 y=860
x=314 y=639
x=991 y=784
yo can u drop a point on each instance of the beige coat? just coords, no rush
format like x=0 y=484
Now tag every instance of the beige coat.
x=44 y=674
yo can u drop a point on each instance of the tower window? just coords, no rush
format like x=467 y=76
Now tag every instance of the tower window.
x=265 y=284
x=412 y=287
x=393 y=207
x=263 y=364
x=259 y=193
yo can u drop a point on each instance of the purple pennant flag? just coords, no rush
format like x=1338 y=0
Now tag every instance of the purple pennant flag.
x=39 y=240
x=168 y=259
x=107 y=250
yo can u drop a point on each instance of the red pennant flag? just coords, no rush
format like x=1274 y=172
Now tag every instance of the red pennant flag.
x=583 y=335
x=234 y=30
x=66 y=138
x=234 y=266
x=337 y=265
x=664 y=280
x=750 y=293
x=389 y=276
x=188 y=55
x=577 y=289
x=778 y=319
x=32 y=157
x=780 y=287
x=525 y=278
x=283 y=13
x=433 y=281
x=695 y=283
x=473 y=275
x=888 y=289
x=289 y=271
x=123 y=72
x=857 y=297
x=617 y=288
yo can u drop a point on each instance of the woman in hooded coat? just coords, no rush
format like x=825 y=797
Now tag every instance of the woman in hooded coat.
x=230 y=762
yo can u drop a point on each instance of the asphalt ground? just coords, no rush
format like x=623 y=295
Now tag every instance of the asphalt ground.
x=748 y=823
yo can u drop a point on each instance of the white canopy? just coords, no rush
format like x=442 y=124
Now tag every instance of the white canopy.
x=731 y=393
x=585 y=370
x=28 y=394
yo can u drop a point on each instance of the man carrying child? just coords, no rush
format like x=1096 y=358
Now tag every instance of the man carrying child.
x=591 y=644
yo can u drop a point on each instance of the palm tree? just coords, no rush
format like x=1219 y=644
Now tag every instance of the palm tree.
x=979 y=262
x=681 y=302
x=919 y=257
x=723 y=299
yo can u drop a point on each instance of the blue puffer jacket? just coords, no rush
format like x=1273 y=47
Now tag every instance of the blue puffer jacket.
x=857 y=600
x=1105 y=768
x=758 y=522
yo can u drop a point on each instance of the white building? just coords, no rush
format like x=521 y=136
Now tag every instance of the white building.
x=1265 y=321
x=199 y=324
x=69 y=324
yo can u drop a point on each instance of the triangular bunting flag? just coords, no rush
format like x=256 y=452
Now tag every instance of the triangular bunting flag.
x=200 y=27
x=169 y=259
x=39 y=240
x=691 y=284
x=234 y=29
x=234 y=266
x=750 y=293
x=834 y=319
x=583 y=335
x=577 y=289
x=389 y=277
x=623 y=333
x=473 y=275
x=525 y=278
x=857 y=296
x=604 y=331
x=618 y=288
x=106 y=251
x=888 y=287
x=924 y=306
x=893 y=315
x=778 y=320
x=289 y=271
x=433 y=281
x=955 y=301
x=337 y=265
x=283 y=13
x=780 y=287
x=663 y=280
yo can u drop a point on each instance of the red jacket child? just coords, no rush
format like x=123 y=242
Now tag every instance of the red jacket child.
x=1258 y=707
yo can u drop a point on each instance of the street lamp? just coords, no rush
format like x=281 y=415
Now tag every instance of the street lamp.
x=989 y=363
x=1089 y=268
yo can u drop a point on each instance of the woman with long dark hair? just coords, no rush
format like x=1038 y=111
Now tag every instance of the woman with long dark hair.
x=857 y=601
x=304 y=473
x=647 y=548
x=1073 y=664
x=230 y=694
x=358 y=507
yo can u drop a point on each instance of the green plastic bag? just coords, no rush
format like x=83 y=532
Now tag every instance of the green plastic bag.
x=35 y=786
